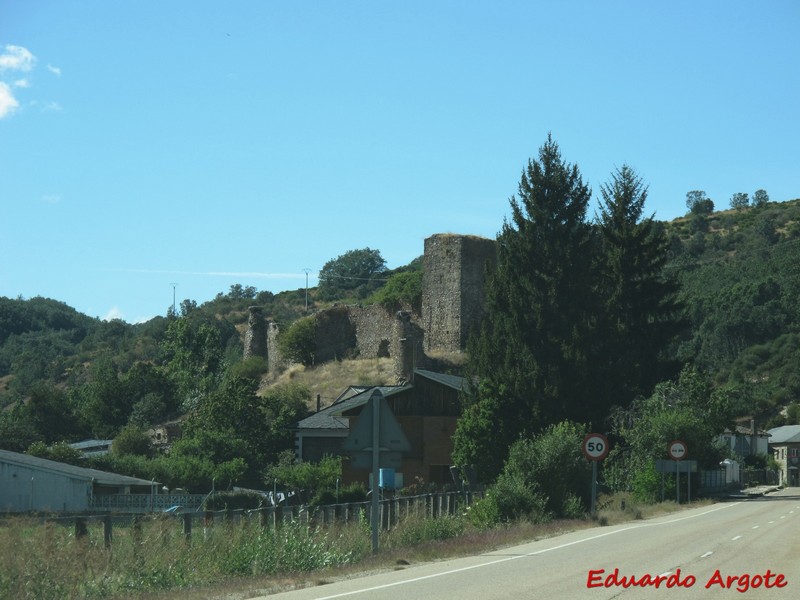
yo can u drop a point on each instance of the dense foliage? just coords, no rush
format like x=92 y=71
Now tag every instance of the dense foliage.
x=582 y=317
x=355 y=273
x=579 y=317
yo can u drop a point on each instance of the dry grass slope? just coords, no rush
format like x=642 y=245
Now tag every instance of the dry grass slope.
x=330 y=379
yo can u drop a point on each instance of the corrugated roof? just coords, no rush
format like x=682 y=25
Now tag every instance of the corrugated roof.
x=43 y=464
x=786 y=434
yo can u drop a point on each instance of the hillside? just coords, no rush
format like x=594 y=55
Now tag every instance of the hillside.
x=740 y=277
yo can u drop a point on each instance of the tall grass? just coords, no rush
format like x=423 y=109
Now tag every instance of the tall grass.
x=46 y=561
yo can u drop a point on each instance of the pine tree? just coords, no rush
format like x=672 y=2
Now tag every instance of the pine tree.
x=532 y=356
x=641 y=315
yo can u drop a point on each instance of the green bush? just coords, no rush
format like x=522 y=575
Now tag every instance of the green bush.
x=298 y=343
x=509 y=499
x=252 y=367
x=413 y=531
x=234 y=501
x=646 y=485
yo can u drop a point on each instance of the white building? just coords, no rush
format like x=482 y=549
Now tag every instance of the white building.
x=29 y=483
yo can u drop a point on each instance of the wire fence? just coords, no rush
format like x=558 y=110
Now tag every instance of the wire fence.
x=392 y=511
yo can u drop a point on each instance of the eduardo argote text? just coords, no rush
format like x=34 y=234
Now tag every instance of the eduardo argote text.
x=598 y=578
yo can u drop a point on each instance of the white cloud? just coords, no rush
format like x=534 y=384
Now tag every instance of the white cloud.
x=51 y=198
x=54 y=70
x=8 y=104
x=22 y=83
x=114 y=313
x=16 y=58
x=254 y=274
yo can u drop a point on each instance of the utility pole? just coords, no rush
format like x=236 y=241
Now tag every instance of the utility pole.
x=174 y=285
x=306 y=272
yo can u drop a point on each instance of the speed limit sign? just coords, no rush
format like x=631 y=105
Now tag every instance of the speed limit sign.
x=595 y=446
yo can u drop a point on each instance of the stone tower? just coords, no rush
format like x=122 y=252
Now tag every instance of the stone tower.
x=255 y=338
x=453 y=288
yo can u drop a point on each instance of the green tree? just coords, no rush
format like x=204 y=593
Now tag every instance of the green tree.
x=59 y=452
x=401 y=289
x=760 y=198
x=49 y=412
x=641 y=315
x=305 y=479
x=194 y=354
x=698 y=203
x=532 y=355
x=102 y=403
x=132 y=440
x=688 y=409
x=740 y=200
x=298 y=343
x=356 y=272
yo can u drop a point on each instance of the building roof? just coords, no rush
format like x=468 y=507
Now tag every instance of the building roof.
x=786 y=434
x=89 y=475
x=451 y=381
x=355 y=396
x=330 y=417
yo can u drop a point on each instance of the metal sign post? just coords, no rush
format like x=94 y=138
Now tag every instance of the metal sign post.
x=376 y=428
x=376 y=441
x=678 y=451
x=595 y=449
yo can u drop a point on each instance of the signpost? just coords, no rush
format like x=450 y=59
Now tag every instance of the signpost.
x=678 y=451
x=377 y=436
x=595 y=449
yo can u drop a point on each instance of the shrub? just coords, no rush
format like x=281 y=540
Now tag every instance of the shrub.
x=298 y=343
x=252 y=367
x=509 y=499
x=413 y=531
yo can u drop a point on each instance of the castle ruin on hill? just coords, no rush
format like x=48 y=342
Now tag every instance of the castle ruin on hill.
x=454 y=271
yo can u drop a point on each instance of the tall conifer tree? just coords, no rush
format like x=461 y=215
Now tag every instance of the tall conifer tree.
x=531 y=358
x=641 y=312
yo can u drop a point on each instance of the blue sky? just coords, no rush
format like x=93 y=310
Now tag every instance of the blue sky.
x=210 y=143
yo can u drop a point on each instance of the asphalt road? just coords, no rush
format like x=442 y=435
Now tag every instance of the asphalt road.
x=691 y=554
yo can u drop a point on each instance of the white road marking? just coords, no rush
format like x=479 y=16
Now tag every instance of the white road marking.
x=706 y=555
x=518 y=556
x=733 y=539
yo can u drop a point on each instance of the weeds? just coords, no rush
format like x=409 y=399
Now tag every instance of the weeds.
x=46 y=561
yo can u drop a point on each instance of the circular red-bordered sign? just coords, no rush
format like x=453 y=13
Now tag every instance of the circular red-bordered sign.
x=595 y=446
x=677 y=450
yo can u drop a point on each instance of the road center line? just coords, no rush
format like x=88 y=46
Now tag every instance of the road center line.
x=707 y=554
x=733 y=539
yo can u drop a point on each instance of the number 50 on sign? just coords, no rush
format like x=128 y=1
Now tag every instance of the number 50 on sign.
x=595 y=446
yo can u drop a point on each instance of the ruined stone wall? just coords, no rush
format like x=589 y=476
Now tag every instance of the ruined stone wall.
x=349 y=332
x=275 y=361
x=453 y=288
x=452 y=305
x=255 y=338
x=335 y=334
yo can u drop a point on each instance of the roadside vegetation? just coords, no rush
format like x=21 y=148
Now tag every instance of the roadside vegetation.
x=45 y=561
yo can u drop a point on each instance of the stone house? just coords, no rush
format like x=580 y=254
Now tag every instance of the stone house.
x=746 y=441
x=426 y=408
x=784 y=443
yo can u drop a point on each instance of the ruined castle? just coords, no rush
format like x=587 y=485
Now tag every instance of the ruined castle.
x=452 y=305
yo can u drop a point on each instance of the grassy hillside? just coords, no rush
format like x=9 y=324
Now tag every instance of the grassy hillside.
x=740 y=276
